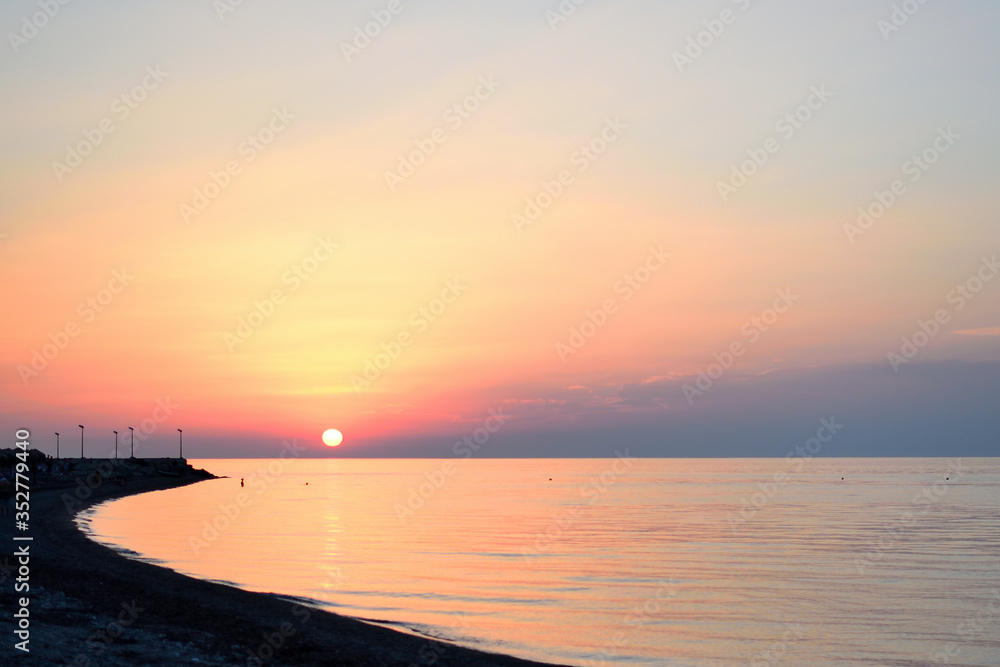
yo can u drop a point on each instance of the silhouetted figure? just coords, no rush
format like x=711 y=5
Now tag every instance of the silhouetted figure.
x=241 y=481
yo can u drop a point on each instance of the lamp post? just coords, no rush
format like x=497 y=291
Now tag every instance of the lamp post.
x=81 y=440
x=116 y=444
x=57 y=445
x=133 y=440
x=181 y=436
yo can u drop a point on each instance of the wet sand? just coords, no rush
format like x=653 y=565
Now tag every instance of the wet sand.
x=92 y=606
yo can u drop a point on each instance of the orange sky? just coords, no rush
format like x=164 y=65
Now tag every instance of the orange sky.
x=306 y=212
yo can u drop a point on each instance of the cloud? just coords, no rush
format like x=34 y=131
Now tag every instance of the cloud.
x=928 y=409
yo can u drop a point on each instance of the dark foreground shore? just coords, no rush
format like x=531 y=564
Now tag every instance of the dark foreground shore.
x=91 y=606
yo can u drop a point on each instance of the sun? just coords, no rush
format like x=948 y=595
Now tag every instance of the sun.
x=332 y=437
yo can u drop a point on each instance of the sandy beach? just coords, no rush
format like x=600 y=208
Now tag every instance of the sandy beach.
x=92 y=606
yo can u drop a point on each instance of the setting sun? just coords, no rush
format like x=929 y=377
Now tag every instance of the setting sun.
x=664 y=332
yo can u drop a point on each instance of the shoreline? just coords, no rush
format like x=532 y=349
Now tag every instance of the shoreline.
x=90 y=605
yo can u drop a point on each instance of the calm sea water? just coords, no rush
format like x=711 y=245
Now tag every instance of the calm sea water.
x=609 y=562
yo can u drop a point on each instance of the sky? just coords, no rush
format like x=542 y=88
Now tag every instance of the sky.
x=550 y=229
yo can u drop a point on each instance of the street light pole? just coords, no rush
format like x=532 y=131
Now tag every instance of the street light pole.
x=81 y=440
x=181 y=436
x=57 y=445
x=116 y=444
x=133 y=441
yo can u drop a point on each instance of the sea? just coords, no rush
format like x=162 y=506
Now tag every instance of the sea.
x=623 y=561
